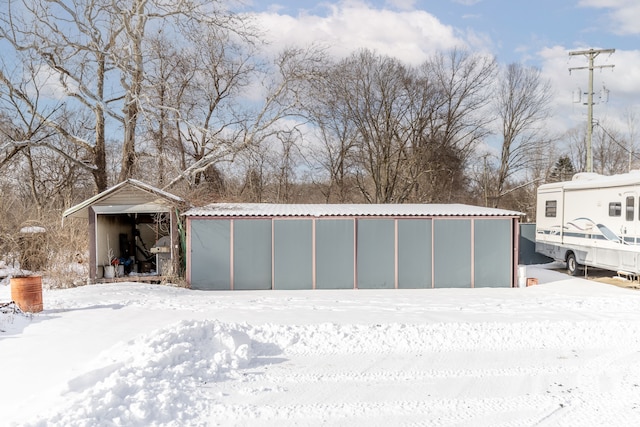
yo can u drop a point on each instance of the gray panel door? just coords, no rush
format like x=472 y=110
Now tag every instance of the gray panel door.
x=334 y=254
x=210 y=254
x=452 y=253
x=252 y=254
x=376 y=253
x=293 y=254
x=414 y=253
x=492 y=252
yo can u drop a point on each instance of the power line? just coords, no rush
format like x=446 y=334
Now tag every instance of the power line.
x=591 y=55
x=619 y=144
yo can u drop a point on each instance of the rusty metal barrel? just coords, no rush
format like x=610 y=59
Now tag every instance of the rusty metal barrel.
x=26 y=291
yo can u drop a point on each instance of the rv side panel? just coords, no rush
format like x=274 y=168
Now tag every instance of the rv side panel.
x=594 y=218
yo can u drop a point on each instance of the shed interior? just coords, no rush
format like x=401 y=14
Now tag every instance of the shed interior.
x=140 y=242
x=134 y=227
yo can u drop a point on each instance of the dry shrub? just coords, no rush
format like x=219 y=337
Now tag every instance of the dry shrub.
x=32 y=246
x=68 y=255
x=39 y=242
x=179 y=282
x=10 y=212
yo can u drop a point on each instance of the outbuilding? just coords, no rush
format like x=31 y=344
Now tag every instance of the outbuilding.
x=255 y=246
x=135 y=227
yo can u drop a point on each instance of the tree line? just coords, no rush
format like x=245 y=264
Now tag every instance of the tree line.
x=182 y=94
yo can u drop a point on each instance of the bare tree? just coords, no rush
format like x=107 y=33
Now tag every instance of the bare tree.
x=333 y=154
x=362 y=108
x=230 y=130
x=65 y=42
x=204 y=97
x=577 y=148
x=284 y=166
x=462 y=83
x=47 y=169
x=610 y=149
x=97 y=51
x=163 y=65
x=632 y=133
x=378 y=105
x=522 y=105
x=20 y=129
x=400 y=133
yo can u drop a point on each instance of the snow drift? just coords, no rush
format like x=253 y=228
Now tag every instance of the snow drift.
x=561 y=353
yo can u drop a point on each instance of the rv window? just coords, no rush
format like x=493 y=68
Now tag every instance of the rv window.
x=550 y=208
x=615 y=209
x=631 y=201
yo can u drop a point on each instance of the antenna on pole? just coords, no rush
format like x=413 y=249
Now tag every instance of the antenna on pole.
x=591 y=55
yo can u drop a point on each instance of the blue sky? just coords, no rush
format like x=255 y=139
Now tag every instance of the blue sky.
x=539 y=33
x=513 y=30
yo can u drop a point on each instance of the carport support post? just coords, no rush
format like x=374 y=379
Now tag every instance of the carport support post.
x=176 y=244
x=93 y=256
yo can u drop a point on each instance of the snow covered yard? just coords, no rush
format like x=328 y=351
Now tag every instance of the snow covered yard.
x=564 y=352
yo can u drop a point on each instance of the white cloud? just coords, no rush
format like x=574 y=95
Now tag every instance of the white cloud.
x=401 y=4
x=410 y=36
x=479 y=41
x=623 y=14
x=467 y=2
x=47 y=84
x=414 y=35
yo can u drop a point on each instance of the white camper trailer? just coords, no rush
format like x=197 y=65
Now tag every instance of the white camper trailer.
x=592 y=220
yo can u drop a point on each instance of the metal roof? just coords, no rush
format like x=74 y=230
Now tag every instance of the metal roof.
x=328 y=210
x=128 y=196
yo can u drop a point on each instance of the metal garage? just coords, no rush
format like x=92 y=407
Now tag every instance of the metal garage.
x=252 y=246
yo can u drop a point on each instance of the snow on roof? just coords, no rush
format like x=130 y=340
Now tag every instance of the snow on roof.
x=584 y=180
x=319 y=210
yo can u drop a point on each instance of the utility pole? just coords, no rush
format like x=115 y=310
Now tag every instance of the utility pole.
x=591 y=55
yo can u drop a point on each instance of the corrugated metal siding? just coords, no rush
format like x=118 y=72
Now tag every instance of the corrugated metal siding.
x=380 y=252
x=339 y=210
x=527 y=247
x=335 y=253
x=375 y=253
x=415 y=253
x=452 y=253
x=492 y=253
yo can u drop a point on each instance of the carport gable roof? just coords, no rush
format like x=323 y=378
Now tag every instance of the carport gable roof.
x=345 y=210
x=130 y=196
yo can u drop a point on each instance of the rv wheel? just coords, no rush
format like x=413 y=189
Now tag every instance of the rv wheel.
x=572 y=265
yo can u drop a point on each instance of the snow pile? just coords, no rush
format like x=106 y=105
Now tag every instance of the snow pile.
x=151 y=380
x=564 y=352
x=199 y=370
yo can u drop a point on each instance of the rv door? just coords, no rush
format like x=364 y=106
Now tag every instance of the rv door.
x=629 y=232
x=629 y=228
